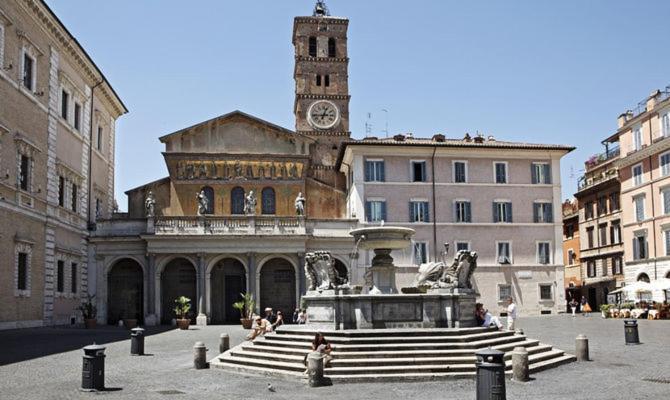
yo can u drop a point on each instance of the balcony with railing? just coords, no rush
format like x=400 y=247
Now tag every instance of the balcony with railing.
x=598 y=159
x=227 y=225
x=588 y=181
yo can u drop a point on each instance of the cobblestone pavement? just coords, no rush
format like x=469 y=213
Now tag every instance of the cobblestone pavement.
x=46 y=364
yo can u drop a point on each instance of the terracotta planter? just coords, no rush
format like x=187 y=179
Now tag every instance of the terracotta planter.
x=90 y=323
x=130 y=323
x=183 y=324
x=246 y=323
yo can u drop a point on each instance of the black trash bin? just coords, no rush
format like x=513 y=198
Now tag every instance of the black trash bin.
x=490 y=375
x=630 y=330
x=93 y=369
x=137 y=341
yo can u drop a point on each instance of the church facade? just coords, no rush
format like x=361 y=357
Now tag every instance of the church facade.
x=246 y=199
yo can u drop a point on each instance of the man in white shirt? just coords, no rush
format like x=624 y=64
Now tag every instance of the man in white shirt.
x=511 y=314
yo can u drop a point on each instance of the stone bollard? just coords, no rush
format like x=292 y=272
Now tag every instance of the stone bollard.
x=93 y=368
x=224 y=343
x=200 y=356
x=315 y=369
x=582 y=348
x=137 y=342
x=520 y=364
x=490 y=383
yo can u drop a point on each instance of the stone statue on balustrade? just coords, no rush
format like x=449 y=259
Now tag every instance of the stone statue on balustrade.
x=150 y=205
x=458 y=275
x=321 y=273
x=203 y=203
x=250 y=203
x=300 y=205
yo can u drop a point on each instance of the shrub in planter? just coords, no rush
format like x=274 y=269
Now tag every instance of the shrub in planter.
x=181 y=311
x=605 y=310
x=246 y=307
x=89 y=312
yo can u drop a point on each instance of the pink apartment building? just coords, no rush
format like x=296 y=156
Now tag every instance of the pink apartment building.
x=500 y=199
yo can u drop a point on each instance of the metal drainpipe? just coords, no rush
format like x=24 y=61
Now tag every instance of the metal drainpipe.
x=90 y=158
x=432 y=178
x=651 y=186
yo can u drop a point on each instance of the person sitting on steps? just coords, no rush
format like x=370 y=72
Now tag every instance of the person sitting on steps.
x=259 y=328
x=485 y=318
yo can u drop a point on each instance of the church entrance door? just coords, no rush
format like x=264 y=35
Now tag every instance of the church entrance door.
x=277 y=286
x=178 y=279
x=124 y=292
x=228 y=280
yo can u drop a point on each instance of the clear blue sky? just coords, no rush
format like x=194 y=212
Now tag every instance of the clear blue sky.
x=550 y=71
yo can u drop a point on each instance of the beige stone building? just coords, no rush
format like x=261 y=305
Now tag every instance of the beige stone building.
x=644 y=172
x=57 y=125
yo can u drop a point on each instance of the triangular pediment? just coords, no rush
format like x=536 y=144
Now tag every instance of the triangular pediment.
x=236 y=133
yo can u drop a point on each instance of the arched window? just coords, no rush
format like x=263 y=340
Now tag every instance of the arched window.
x=643 y=278
x=268 y=201
x=209 y=195
x=312 y=46
x=332 y=52
x=237 y=201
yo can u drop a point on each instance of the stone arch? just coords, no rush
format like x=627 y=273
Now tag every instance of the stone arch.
x=177 y=278
x=125 y=290
x=342 y=268
x=277 y=283
x=643 y=277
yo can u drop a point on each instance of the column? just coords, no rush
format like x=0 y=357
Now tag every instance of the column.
x=151 y=318
x=251 y=266
x=302 y=289
x=202 y=311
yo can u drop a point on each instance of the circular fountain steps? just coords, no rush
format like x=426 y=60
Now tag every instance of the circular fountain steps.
x=385 y=354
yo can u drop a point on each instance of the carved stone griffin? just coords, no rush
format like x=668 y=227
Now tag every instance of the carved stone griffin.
x=457 y=275
x=321 y=273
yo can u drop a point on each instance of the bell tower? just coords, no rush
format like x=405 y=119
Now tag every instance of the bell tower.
x=321 y=105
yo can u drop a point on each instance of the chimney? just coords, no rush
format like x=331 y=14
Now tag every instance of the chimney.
x=479 y=138
x=438 y=137
x=653 y=99
x=491 y=138
x=399 y=137
x=467 y=137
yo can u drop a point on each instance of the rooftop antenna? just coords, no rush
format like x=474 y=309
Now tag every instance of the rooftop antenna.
x=368 y=125
x=386 y=116
x=321 y=9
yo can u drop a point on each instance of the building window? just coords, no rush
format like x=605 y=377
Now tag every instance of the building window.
x=99 y=142
x=637 y=175
x=639 y=208
x=312 y=46
x=504 y=292
x=462 y=246
x=543 y=253
x=500 y=172
x=418 y=171
x=73 y=277
x=590 y=269
x=61 y=191
x=98 y=208
x=318 y=80
x=602 y=205
x=540 y=173
x=237 y=201
x=75 y=197
x=504 y=252
x=589 y=236
x=614 y=202
x=640 y=247
x=571 y=257
x=543 y=212
x=569 y=231
x=664 y=161
x=462 y=211
x=420 y=250
x=326 y=80
x=615 y=232
x=617 y=266
x=332 y=48
x=588 y=210
x=24 y=172
x=375 y=210
x=60 y=276
x=502 y=211
x=268 y=201
x=460 y=171
x=546 y=293
x=602 y=235
x=77 y=116
x=637 y=139
x=666 y=240
x=22 y=272
x=665 y=124
x=2 y=44
x=28 y=71
x=665 y=194
x=418 y=211
x=374 y=170
x=64 y=104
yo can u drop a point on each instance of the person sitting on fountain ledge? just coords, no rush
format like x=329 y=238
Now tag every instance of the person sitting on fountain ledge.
x=484 y=317
x=259 y=328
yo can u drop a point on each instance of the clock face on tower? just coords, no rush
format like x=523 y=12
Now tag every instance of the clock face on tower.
x=323 y=114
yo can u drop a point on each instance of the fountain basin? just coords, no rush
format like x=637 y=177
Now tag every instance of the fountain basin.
x=383 y=237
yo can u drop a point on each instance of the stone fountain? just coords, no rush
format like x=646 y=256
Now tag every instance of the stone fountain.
x=441 y=297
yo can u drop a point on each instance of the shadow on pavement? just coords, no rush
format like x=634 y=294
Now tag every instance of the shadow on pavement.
x=25 y=344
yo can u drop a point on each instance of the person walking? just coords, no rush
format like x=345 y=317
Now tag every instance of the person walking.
x=573 y=306
x=586 y=308
x=511 y=314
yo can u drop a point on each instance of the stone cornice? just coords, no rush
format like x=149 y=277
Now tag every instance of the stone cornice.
x=322 y=96
x=318 y=20
x=325 y=133
x=323 y=59
x=655 y=148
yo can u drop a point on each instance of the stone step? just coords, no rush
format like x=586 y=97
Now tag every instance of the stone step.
x=394 y=377
x=539 y=357
x=304 y=331
x=389 y=369
x=226 y=358
x=551 y=363
x=428 y=345
x=378 y=339
x=268 y=356
x=255 y=370
x=277 y=350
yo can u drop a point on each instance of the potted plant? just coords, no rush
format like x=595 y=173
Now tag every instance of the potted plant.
x=605 y=310
x=181 y=311
x=246 y=307
x=89 y=312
